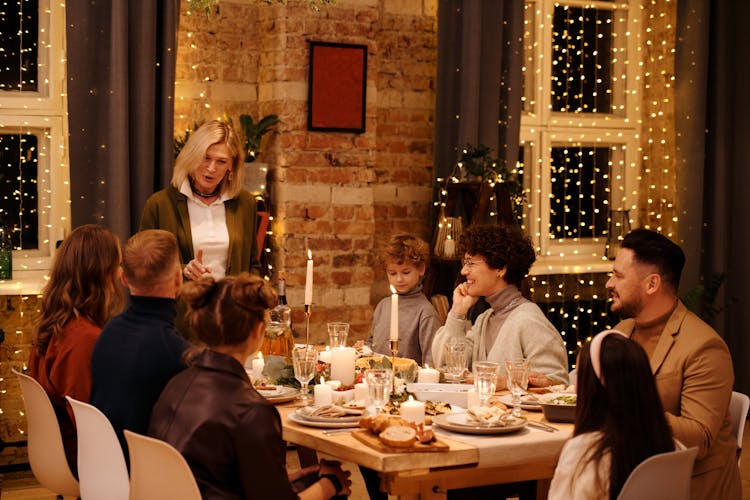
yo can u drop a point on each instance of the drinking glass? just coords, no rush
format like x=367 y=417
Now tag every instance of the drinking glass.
x=379 y=383
x=337 y=334
x=303 y=360
x=485 y=380
x=455 y=356
x=517 y=380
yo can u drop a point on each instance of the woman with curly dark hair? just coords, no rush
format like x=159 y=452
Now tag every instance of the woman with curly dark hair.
x=496 y=260
x=229 y=433
x=82 y=294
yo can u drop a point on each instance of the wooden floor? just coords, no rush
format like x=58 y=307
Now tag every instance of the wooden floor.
x=23 y=486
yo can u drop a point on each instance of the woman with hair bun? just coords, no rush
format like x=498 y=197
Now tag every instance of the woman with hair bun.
x=620 y=421
x=228 y=433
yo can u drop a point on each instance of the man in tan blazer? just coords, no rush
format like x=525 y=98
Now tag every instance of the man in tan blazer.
x=691 y=363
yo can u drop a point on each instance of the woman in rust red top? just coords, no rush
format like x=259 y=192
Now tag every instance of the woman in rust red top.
x=81 y=295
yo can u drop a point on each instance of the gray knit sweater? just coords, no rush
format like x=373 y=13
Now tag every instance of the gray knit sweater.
x=520 y=331
x=417 y=323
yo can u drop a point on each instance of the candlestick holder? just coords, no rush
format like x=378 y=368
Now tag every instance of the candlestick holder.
x=308 y=307
x=394 y=351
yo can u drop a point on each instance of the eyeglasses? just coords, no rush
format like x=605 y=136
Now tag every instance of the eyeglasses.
x=470 y=262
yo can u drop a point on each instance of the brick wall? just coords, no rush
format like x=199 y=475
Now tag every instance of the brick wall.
x=341 y=194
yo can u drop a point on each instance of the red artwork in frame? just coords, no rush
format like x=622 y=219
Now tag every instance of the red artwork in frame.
x=338 y=82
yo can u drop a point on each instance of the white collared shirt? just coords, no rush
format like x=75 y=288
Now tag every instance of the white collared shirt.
x=208 y=225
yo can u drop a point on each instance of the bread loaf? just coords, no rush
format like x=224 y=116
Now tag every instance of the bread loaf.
x=398 y=436
x=381 y=422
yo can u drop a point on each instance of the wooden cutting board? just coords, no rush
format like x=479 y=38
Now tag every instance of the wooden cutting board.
x=373 y=441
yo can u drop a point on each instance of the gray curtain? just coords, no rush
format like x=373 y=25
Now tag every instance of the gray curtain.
x=479 y=81
x=713 y=127
x=121 y=73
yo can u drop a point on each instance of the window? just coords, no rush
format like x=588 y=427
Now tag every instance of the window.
x=580 y=128
x=34 y=178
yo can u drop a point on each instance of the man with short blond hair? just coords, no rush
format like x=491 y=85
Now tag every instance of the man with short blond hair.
x=692 y=365
x=140 y=350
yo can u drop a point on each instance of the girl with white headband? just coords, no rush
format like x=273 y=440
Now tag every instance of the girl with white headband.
x=619 y=420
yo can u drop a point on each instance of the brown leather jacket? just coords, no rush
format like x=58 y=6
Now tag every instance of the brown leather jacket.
x=229 y=434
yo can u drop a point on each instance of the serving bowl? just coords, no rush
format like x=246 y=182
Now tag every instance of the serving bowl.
x=558 y=407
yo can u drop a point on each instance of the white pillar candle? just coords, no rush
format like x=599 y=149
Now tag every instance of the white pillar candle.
x=449 y=248
x=413 y=411
x=325 y=356
x=428 y=375
x=258 y=365
x=342 y=364
x=322 y=393
x=472 y=398
x=335 y=384
x=394 y=314
x=360 y=391
x=309 y=279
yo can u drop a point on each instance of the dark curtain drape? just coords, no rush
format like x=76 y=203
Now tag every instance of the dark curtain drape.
x=713 y=127
x=121 y=73
x=479 y=81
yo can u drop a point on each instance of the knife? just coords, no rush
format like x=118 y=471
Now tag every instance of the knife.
x=331 y=432
x=541 y=426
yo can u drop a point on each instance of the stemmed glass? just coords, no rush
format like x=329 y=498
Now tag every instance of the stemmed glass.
x=517 y=380
x=485 y=380
x=379 y=382
x=303 y=360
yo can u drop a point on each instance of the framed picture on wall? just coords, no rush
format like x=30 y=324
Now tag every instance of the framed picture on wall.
x=337 y=91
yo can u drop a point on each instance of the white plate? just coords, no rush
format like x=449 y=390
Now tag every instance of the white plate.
x=323 y=425
x=458 y=423
x=507 y=399
x=314 y=418
x=282 y=394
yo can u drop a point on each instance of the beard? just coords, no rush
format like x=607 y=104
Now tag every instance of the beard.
x=627 y=309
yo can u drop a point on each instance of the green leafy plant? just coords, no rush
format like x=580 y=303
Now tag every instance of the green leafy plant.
x=254 y=132
x=701 y=299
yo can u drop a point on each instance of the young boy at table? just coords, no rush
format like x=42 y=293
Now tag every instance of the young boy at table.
x=405 y=259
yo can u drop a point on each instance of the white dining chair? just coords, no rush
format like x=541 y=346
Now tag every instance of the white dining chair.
x=738 y=407
x=102 y=472
x=665 y=476
x=158 y=471
x=44 y=440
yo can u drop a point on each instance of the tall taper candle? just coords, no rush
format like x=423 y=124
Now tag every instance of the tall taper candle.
x=309 y=279
x=394 y=314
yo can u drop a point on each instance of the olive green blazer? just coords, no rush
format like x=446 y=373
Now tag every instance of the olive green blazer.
x=167 y=209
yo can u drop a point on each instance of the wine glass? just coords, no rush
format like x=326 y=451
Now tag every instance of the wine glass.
x=517 y=380
x=379 y=381
x=485 y=380
x=304 y=360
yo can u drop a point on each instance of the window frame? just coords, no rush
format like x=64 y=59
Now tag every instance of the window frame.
x=542 y=129
x=44 y=112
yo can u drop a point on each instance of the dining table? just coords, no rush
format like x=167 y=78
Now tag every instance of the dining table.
x=529 y=454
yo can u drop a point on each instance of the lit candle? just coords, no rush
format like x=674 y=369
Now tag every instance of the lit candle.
x=413 y=411
x=325 y=356
x=309 y=279
x=428 y=375
x=258 y=365
x=449 y=249
x=360 y=391
x=335 y=384
x=342 y=364
x=394 y=313
x=322 y=393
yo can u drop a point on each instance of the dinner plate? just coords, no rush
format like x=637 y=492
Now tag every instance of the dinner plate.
x=315 y=418
x=323 y=425
x=507 y=399
x=281 y=394
x=458 y=423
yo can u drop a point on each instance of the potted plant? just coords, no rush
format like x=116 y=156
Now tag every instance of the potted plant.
x=254 y=133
